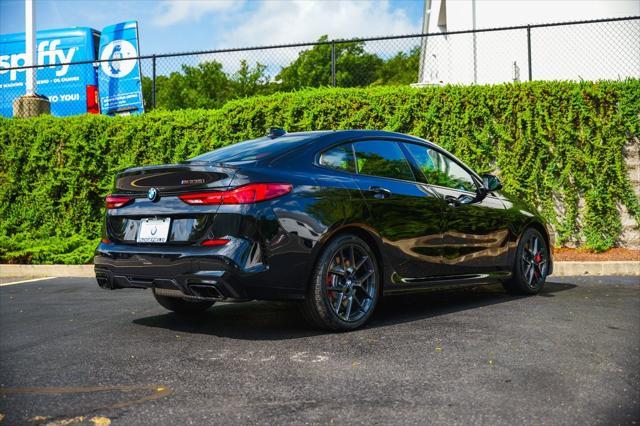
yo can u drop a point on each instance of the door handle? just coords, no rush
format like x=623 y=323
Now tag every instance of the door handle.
x=456 y=202
x=452 y=201
x=380 y=192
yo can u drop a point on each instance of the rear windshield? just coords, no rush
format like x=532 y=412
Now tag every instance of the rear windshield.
x=252 y=150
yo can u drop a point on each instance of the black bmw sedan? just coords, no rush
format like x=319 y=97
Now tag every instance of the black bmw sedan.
x=333 y=219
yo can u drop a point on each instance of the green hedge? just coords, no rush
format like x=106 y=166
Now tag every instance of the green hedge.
x=552 y=143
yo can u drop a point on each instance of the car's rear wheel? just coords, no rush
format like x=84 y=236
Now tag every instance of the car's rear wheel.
x=183 y=306
x=344 y=288
x=531 y=264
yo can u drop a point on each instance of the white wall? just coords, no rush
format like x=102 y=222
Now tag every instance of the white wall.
x=589 y=52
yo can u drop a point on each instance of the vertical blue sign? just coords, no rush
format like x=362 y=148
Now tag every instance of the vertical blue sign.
x=119 y=82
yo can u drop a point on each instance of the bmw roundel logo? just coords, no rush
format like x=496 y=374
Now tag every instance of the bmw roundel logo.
x=152 y=194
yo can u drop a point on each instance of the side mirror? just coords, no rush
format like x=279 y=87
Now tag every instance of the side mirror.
x=491 y=182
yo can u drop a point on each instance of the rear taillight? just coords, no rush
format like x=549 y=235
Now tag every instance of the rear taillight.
x=117 y=201
x=247 y=194
x=93 y=106
x=213 y=243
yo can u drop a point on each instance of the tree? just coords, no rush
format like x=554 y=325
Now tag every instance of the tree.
x=249 y=81
x=312 y=68
x=147 y=87
x=169 y=92
x=400 y=69
x=205 y=85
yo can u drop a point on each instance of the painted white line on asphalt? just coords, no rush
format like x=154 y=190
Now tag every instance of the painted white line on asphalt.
x=27 y=281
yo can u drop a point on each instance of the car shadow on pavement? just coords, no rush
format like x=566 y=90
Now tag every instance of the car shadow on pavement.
x=400 y=309
x=282 y=320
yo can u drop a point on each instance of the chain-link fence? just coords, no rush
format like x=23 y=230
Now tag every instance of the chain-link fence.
x=586 y=50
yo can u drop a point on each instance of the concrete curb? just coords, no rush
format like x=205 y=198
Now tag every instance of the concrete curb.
x=37 y=271
x=628 y=268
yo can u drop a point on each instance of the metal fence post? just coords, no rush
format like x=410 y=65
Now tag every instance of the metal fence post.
x=333 y=63
x=153 y=82
x=529 y=51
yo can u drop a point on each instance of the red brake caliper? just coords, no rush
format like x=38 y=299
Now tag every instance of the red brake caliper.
x=537 y=259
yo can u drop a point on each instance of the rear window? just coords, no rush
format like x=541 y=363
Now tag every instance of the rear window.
x=251 y=150
x=340 y=157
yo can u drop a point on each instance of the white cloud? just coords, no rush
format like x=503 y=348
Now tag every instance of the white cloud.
x=170 y=12
x=281 y=22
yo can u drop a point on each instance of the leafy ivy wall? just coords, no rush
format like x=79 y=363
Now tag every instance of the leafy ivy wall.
x=558 y=145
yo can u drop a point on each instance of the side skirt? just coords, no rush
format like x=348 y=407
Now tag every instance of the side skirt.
x=406 y=285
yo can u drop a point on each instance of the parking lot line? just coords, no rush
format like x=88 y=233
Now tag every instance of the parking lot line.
x=26 y=281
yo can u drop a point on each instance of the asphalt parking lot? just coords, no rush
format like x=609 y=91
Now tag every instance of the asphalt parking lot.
x=73 y=353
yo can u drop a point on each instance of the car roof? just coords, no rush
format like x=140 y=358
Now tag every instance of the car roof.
x=328 y=137
x=352 y=133
x=280 y=144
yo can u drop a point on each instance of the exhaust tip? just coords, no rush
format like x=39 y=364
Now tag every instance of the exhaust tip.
x=105 y=280
x=206 y=291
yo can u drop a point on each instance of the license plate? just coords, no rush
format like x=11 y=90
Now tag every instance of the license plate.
x=154 y=230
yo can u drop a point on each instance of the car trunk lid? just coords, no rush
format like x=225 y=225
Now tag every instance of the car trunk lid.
x=173 y=178
x=155 y=191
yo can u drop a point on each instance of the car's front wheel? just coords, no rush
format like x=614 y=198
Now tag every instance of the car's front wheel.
x=182 y=306
x=344 y=288
x=531 y=264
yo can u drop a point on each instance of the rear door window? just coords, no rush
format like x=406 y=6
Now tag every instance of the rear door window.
x=382 y=158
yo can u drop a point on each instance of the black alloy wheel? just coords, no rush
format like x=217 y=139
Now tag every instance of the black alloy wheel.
x=531 y=264
x=344 y=287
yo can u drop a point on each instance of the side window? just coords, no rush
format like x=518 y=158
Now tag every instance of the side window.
x=441 y=170
x=339 y=157
x=382 y=158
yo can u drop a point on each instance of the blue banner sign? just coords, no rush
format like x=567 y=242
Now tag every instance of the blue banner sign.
x=71 y=89
x=111 y=87
x=119 y=81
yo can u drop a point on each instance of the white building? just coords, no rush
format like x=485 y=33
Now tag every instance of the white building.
x=607 y=50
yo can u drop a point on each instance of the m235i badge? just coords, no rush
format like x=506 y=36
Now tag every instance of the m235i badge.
x=191 y=181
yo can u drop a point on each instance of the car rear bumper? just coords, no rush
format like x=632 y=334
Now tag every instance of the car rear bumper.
x=196 y=272
x=209 y=284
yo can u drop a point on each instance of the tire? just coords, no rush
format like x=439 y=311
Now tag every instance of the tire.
x=531 y=264
x=345 y=285
x=182 y=306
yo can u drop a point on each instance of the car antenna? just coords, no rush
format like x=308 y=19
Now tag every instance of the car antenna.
x=276 y=132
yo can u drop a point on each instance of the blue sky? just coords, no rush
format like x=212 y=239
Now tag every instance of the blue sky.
x=172 y=26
